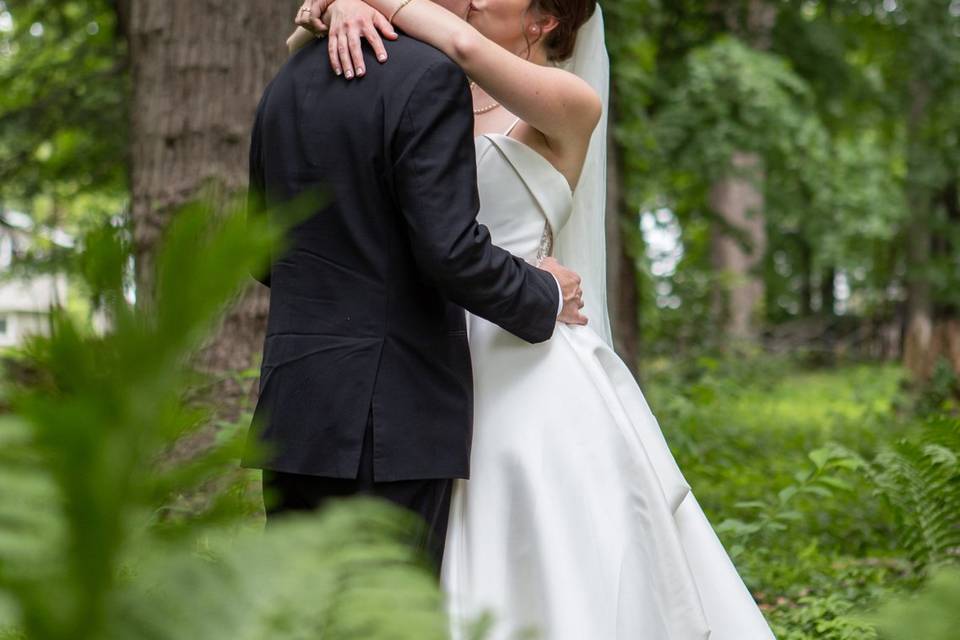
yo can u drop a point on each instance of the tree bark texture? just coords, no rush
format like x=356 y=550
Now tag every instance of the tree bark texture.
x=198 y=70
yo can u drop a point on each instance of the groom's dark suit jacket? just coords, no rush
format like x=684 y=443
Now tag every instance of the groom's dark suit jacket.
x=366 y=309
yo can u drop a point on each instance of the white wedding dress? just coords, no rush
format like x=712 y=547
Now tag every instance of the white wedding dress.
x=576 y=523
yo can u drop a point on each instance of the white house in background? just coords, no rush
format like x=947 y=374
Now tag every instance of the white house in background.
x=25 y=301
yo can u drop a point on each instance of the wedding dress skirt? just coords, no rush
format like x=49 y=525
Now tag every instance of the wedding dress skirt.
x=576 y=523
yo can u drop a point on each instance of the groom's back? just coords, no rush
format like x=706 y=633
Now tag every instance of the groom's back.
x=321 y=133
x=355 y=328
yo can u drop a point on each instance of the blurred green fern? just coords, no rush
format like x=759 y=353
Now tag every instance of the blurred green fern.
x=921 y=480
x=84 y=550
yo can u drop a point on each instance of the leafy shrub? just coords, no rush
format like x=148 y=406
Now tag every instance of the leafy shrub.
x=767 y=520
x=941 y=393
x=829 y=617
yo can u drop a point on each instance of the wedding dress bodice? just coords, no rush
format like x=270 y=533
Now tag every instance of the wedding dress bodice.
x=520 y=193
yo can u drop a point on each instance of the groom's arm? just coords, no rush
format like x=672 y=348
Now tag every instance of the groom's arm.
x=435 y=174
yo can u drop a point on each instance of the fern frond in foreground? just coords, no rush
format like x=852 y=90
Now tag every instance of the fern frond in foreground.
x=83 y=553
x=921 y=480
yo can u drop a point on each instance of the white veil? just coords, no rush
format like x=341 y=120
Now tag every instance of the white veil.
x=581 y=244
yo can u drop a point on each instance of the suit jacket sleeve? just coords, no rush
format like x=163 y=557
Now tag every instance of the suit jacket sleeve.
x=256 y=200
x=435 y=174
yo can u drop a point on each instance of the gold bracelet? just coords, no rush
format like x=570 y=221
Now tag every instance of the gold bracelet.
x=397 y=10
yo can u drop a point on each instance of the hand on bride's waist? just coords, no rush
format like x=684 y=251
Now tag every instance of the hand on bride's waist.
x=571 y=294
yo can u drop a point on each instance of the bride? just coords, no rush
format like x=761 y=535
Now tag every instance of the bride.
x=576 y=523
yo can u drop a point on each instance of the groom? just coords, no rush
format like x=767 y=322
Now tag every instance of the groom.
x=366 y=383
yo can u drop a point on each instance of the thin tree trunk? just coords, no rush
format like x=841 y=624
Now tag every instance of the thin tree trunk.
x=918 y=338
x=621 y=271
x=738 y=244
x=806 y=275
x=828 y=298
x=198 y=69
x=738 y=240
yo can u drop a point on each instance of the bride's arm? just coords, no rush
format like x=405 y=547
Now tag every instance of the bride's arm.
x=348 y=20
x=553 y=101
x=299 y=39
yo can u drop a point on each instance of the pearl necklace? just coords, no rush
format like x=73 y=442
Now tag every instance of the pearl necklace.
x=485 y=109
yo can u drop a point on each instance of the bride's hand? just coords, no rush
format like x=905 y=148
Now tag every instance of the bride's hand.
x=310 y=16
x=349 y=21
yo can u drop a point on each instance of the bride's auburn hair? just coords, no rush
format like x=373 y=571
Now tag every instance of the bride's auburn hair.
x=570 y=15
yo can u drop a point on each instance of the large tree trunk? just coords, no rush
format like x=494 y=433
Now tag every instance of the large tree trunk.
x=621 y=271
x=738 y=243
x=198 y=69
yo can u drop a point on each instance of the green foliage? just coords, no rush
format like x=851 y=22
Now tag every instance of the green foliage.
x=921 y=479
x=939 y=394
x=731 y=95
x=851 y=106
x=931 y=614
x=772 y=451
x=744 y=426
x=766 y=521
x=63 y=114
x=829 y=617
x=88 y=547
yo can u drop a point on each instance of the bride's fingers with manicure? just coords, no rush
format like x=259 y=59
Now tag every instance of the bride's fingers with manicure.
x=356 y=50
x=373 y=37
x=343 y=51
x=333 y=51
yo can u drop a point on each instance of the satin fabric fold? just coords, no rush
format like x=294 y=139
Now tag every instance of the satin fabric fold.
x=577 y=522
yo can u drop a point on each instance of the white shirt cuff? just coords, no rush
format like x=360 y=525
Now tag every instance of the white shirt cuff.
x=560 y=291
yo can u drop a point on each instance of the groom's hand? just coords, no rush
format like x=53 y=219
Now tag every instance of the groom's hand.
x=570 y=290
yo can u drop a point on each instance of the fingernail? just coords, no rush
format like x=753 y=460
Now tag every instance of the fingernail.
x=382 y=57
x=337 y=71
x=360 y=71
x=349 y=75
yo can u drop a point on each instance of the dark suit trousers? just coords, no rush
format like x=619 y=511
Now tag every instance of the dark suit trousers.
x=430 y=499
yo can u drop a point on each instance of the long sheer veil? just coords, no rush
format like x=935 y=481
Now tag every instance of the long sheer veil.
x=581 y=244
